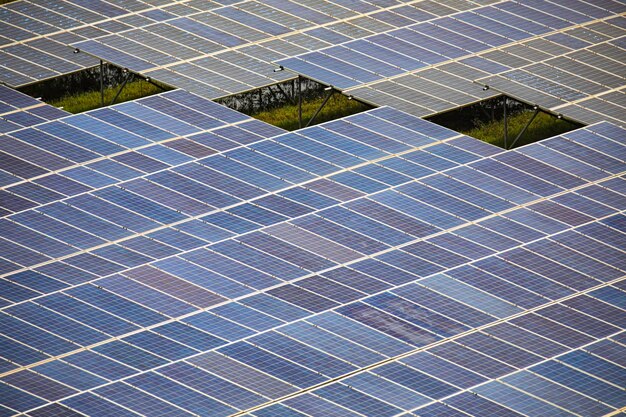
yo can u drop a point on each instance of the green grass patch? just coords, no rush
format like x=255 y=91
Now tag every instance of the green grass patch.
x=286 y=116
x=544 y=126
x=78 y=103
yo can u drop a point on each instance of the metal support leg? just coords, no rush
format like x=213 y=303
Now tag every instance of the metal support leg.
x=260 y=99
x=121 y=88
x=101 y=83
x=319 y=109
x=274 y=96
x=519 y=135
x=487 y=115
x=299 y=101
x=506 y=127
x=290 y=99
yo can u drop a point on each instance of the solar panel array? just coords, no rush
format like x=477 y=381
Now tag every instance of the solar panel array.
x=80 y=153
x=35 y=35
x=586 y=85
x=170 y=256
x=212 y=48
x=373 y=265
x=559 y=55
x=18 y=110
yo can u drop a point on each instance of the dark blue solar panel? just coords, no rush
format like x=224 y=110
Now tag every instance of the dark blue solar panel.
x=470 y=359
x=302 y=354
x=388 y=324
x=218 y=326
x=581 y=382
x=552 y=330
x=594 y=365
x=207 y=383
x=476 y=405
x=230 y=268
x=497 y=349
x=493 y=285
x=473 y=297
x=271 y=364
x=360 y=334
x=228 y=226
x=355 y=400
x=417 y=381
x=87 y=314
x=69 y=375
x=179 y=395
x=443 y=305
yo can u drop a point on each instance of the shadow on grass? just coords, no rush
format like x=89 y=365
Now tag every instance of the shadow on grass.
x=286 y=116
x=78 y=103
x=542 y=127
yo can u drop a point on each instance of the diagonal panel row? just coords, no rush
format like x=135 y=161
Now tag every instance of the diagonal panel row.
x=402 y=68
x=381 y=268
x=184 y=36
x=392 y=319
x=79 y=153
x=18 y=110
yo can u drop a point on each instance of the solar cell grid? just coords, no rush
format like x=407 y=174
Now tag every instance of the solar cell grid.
x=390 y=323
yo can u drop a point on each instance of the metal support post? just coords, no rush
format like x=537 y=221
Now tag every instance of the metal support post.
x=274 y=96
x=101 y=83
x=519 y=135
x=260 y=99
x=121 y=88
x=299 y=101
x=291 y=100
x=487 y=115
x=506 y=127
x=319 y=109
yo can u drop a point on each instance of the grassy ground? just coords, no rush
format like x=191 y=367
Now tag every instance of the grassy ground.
x=286 y=116
x=542 y=127
x=337 y=106
x=91 y=100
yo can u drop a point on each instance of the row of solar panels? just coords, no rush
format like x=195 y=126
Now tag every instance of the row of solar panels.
x=318 y=347
x=430 y=91
x=227 y=182
x=35 y=35
x=164 y=33
x=231 y=72
x=230 y=282
x=276 y=363
x=552 y=387
x=371 y=69
x=259 y=259
x=82 y=152
x=19 y=110
x=246 y=183
x=166 y=243
x=592 y=77
x=253 y=171
x=436 y=41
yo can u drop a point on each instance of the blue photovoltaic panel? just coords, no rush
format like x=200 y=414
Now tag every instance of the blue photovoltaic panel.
x=390 y=323
x=214 y=263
